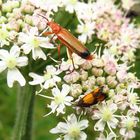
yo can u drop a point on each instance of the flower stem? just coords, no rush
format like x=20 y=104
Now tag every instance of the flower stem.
x=24 y=116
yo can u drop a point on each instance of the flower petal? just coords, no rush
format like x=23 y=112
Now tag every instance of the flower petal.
x=37 y=79
x=22 y=61
x=83 y=124
x=83 y=136
x=60 y=128
x=15 y=51
x=65 y=89
x=2 y=66
x=99 y=126
x=38 y=53
x=3 y=54
x=26 y=48
x=15 y=75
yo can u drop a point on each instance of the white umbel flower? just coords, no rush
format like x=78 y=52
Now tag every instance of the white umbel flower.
x=72 y=129
x=11 y=61
x=32 y=42
x=106 y=115
x=60 y=99
x=49 y=79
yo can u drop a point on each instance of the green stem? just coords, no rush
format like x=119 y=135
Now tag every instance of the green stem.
x=23 y=123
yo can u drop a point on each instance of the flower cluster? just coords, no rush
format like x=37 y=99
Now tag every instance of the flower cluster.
x=64 y=84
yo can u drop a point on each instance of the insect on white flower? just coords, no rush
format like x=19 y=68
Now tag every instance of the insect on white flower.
x=72 y=129
x=12 y=60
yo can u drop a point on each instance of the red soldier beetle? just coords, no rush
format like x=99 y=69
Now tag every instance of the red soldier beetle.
x=92 y=98
x=67 y=39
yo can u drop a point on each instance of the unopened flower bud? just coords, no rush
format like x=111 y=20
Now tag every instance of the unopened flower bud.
x=106 y=89
x=97 y=72
x=83 y=75
x=111 y=81
x=15 y=4
x=3 y=19
x=100 y=81
x=87 y=65
x=110 y=70
x=13 y=34
x=76 y=90
x=28 y=19
x=6 y=7
x=72 y=77
x=17 y=13
x=89 y=84
x=111 y=93
x=28 y=9
x=98 y=62
x=13 y=25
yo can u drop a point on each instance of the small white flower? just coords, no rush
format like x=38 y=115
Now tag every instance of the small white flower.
x=127 y=125
x=34 y=43
x=86 y=30
x=49 y=79
x=106 y=115
x=11 y=60
x=72 y=129
x=60 y=99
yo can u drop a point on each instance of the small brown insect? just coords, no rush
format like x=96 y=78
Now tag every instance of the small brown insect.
x=92 y=98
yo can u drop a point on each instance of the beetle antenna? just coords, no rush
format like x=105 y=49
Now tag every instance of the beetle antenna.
x=43 y=16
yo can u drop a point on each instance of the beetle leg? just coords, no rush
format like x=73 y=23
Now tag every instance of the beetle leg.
x=47 y=33
x=70 y=56
x=58 y=49
x=52 y=38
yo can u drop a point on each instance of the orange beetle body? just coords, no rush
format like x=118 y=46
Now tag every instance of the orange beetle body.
x=92 y=98
x=67 y=39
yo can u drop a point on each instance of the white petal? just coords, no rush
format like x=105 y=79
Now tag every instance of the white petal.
x=38 y=53
x=83 y=124
x=99 y=126
x=113 y=107
x=37 y=79
x=15 y=75
x=60 y=128
x=65 y=89
x=72 y=119
x=49 y=83
x=22 y=61
x=68 y=137
x=60 y=109
x=26 y=48
x=15 y=51
x=56 y=78
x=23 y=37
x=34 y=31
x=83 y=136
x=55 y=91
x=2 y=66
x=3 y=54
x=113 y=122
